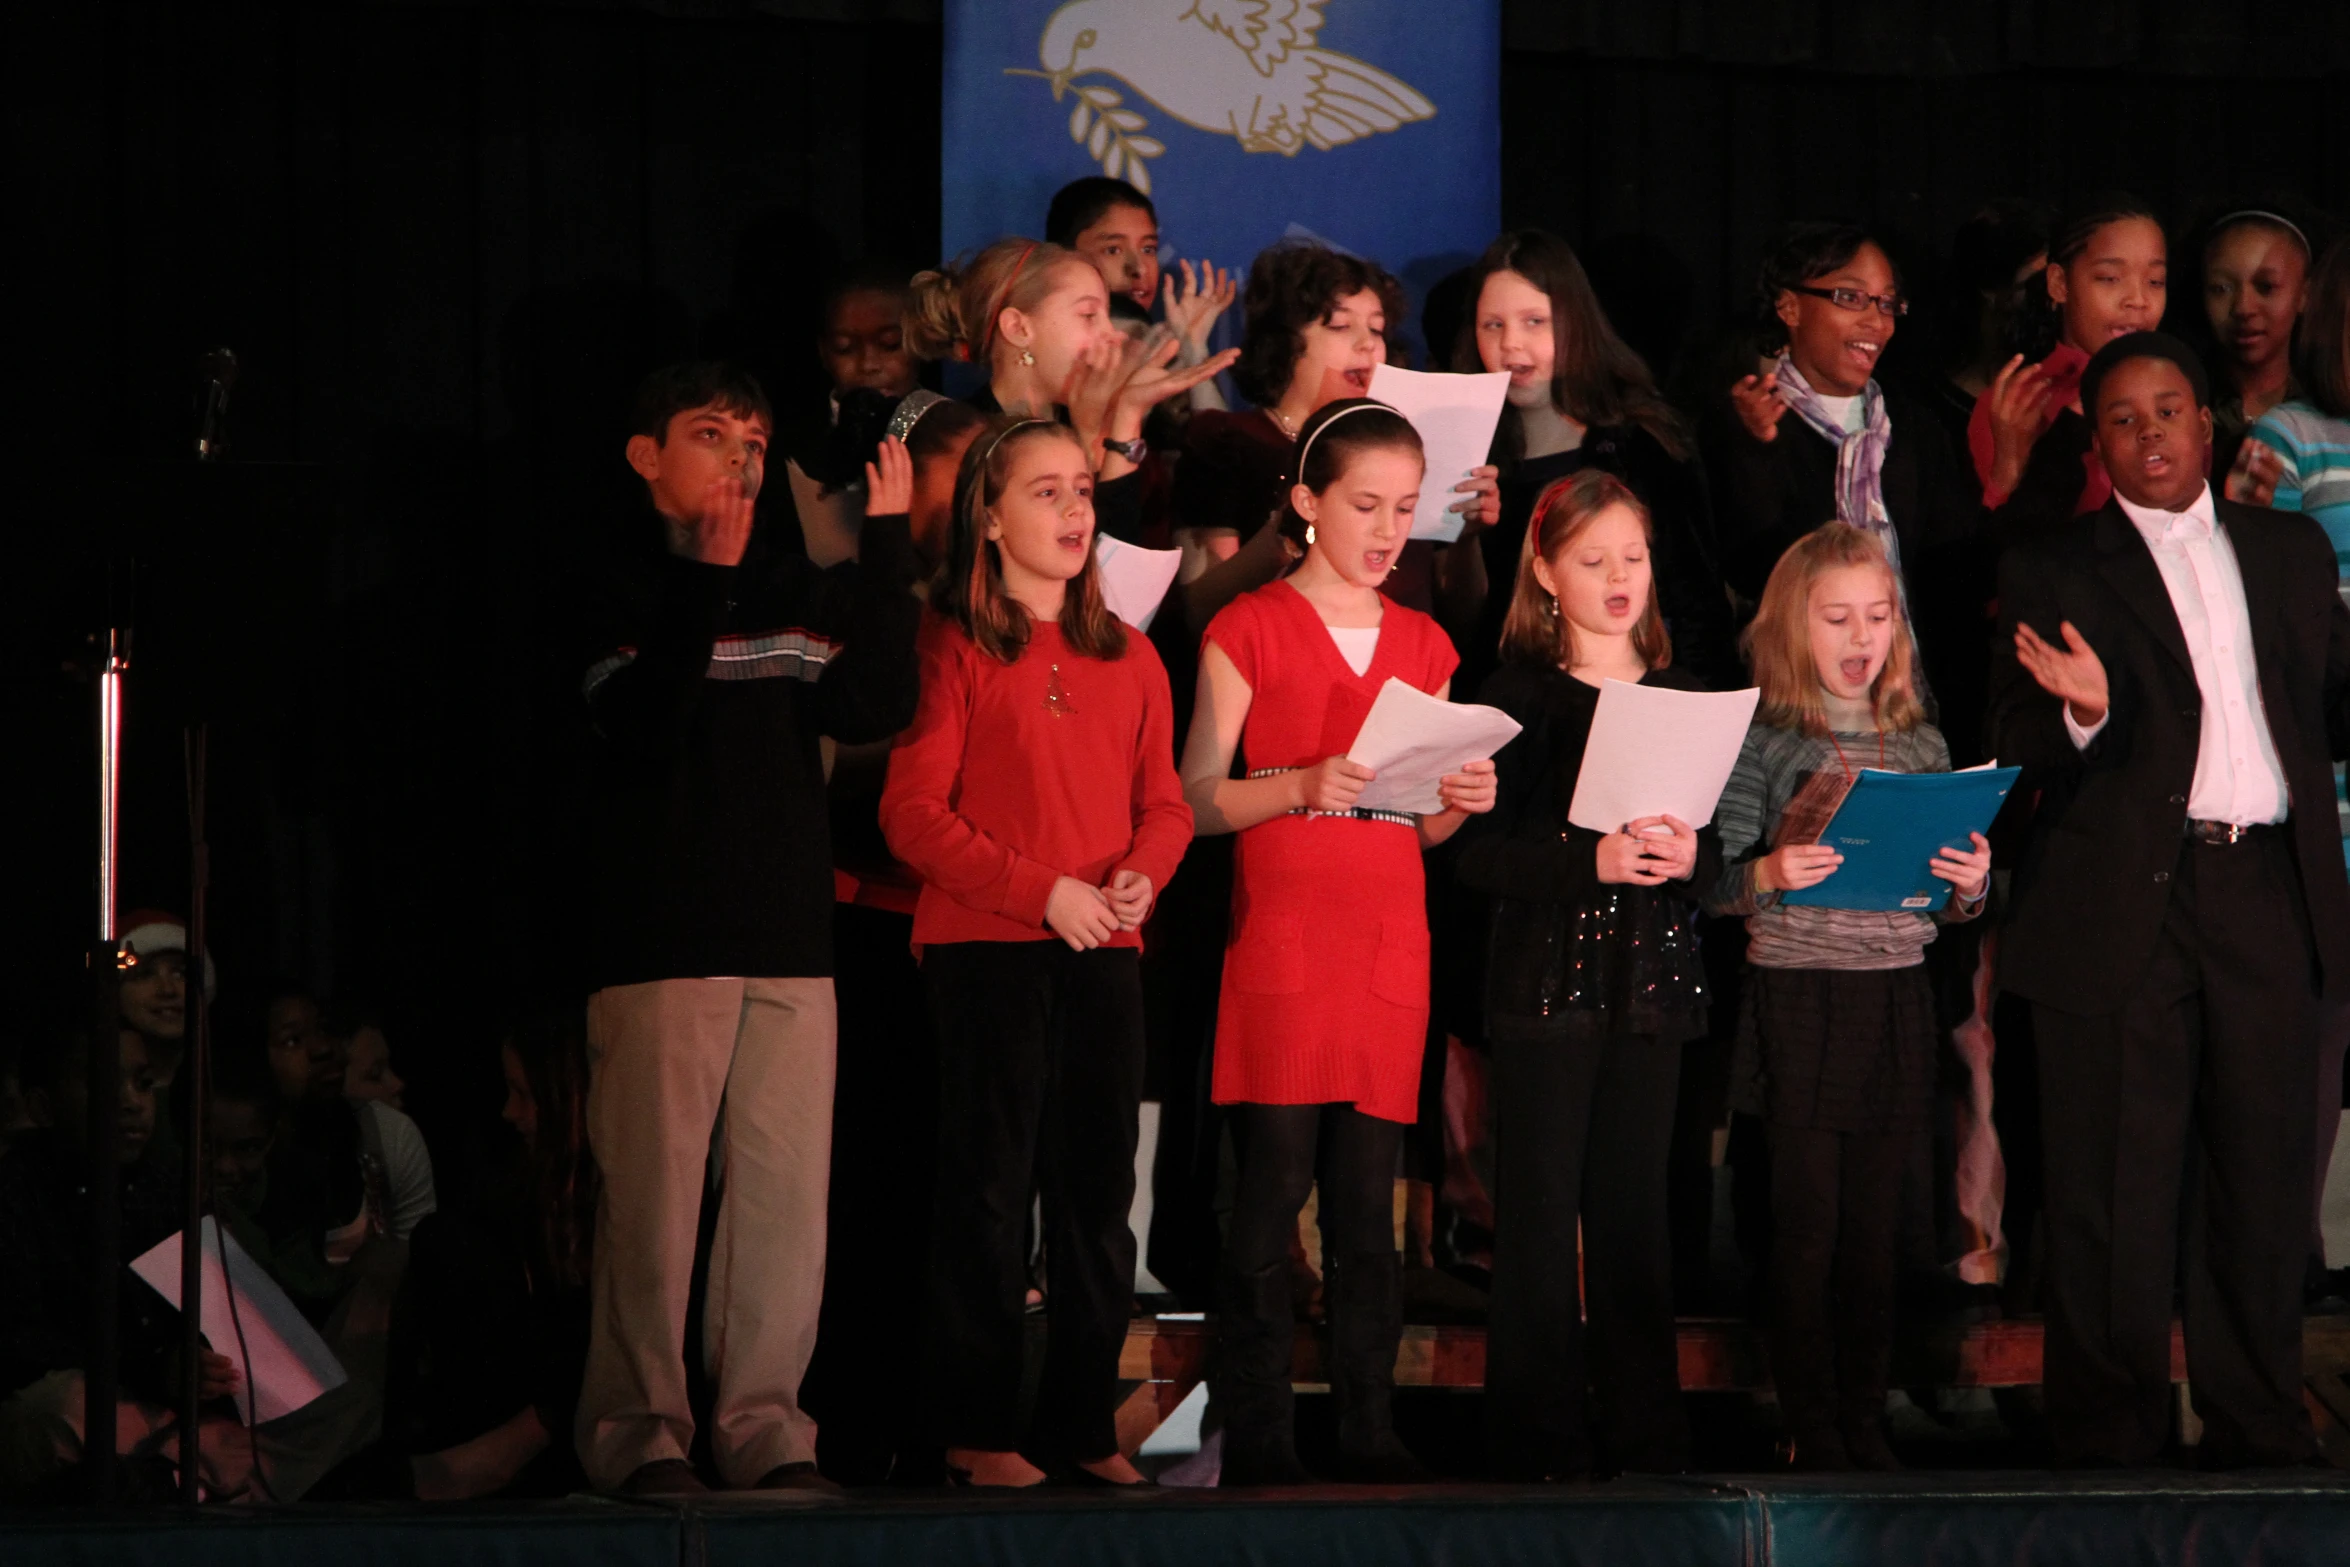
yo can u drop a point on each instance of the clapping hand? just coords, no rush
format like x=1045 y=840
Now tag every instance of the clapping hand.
x=1759 y=405
x=2074 y=674
x=2020 y=398
x=719 y=534
x=889 y=480
x=1195 y=300
x=2252 y=477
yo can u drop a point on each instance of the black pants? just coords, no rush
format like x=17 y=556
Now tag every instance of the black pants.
x=1040 y=1057
x=2197 y=1088
x=1835 y=1217
x=1282 y=1148
x=1585 y=1123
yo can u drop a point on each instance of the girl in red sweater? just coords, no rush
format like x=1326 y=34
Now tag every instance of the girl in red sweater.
x=1324 y=1006
x=1035 y=798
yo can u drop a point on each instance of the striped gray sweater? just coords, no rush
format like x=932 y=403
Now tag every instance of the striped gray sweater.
x=1771 y=768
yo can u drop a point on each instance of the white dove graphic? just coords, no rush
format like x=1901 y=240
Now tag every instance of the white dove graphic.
x=1241 y=68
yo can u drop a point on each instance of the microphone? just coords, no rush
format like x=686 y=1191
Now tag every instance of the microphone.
x=220 y=376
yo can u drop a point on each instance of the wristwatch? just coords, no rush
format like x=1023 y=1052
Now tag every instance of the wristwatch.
x=1133 y=451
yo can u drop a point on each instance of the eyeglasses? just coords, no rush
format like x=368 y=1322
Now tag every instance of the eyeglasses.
x=1855 y=299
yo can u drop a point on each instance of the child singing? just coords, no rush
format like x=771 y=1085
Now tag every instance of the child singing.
x=1838 y=1022
x=1324 y=1003
x=1035 y=796
x=1592 y=984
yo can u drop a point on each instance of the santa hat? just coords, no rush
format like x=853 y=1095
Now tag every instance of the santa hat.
x=149 y=931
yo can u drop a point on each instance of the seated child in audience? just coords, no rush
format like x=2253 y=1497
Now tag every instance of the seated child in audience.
x=1035 y=795
x=1838 y=1026
x=1593 y=982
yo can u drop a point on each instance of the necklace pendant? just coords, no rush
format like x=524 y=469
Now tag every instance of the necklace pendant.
x=1056 y=697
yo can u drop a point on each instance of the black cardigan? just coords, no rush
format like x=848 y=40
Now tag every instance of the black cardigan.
x=1562 y=940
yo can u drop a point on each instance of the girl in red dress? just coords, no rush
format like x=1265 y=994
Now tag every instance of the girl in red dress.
x=1324 y=1005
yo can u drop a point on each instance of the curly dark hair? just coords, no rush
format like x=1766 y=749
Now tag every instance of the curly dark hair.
x=1802 y=251
x=1291 y=286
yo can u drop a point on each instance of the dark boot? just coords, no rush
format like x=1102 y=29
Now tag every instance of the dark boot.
x=1365 y=1290
x=1256 y=1337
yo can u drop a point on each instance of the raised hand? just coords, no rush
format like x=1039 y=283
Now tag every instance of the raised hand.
x=1759 y=405
x=2252 y=477
x=1795 y=866
x=2073 y=674
x=1331 y=784
x=1469 y=790
x=722 y=531
x=889 y=480
x=1154 y=377
x=1130 y=895
x=1079 y=915
x=1480 y=503
x=1195 y=299
x=2020 y=411
x=1968 y=870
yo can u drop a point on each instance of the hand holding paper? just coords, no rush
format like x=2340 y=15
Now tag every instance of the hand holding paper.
x=291 y=1364
x=1456 y=416
x=1413 y=741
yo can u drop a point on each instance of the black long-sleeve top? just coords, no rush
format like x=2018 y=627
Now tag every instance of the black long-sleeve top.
x=45 y=1221
x=709 y=691
x=1768 y=494
x=1563 y=941
x=1688 y=573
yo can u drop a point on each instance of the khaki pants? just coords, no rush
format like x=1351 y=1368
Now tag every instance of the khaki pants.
x=693 y=1080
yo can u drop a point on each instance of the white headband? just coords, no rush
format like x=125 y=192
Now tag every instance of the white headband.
x=1351 y=408
x=2263 y=215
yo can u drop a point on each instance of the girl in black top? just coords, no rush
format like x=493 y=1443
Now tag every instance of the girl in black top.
x=1579 y=397
x=1593 y=983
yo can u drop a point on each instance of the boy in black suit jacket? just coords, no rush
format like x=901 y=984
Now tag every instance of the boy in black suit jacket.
x=2178 y=686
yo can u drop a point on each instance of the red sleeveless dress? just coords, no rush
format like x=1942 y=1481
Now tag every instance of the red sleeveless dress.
x=1325 y=990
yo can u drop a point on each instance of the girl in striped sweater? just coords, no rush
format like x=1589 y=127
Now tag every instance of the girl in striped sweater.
x=1837 y=1031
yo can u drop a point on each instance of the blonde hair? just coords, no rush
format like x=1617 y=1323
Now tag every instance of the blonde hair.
x=970 y=583
x=952 y=311
x=1534 y=631
x=1778 y=644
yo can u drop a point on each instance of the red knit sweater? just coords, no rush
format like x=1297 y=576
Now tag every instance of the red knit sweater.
x=1014 y=775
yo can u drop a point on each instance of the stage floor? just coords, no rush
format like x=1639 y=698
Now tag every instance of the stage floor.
x=1733 y=1521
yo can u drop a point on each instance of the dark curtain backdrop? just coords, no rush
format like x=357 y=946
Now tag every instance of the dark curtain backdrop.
x=444 y=239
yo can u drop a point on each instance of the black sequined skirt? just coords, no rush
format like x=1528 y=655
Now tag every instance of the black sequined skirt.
x=1632 y=956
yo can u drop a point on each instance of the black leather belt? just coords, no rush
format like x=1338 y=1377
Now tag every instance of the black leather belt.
x=2221 y=834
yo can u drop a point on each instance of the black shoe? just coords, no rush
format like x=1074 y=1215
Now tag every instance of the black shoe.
x=663 y=1477
x=1385 y=1461
x=1270 y=1460
x=1818 y=1452
x=1865 y=1445
x=802 y=1476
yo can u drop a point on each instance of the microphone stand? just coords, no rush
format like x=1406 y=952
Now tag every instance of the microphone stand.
x=196 y=1076
x=102 y=1377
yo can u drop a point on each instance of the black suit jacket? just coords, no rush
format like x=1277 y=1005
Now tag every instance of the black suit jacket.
x=2094 y=881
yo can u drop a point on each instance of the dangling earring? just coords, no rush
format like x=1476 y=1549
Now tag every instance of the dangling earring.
x=1309 y=533
x=1554 y=606
x=1026 y=357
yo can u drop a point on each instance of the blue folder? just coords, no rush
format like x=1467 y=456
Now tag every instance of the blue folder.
x=1890 y=827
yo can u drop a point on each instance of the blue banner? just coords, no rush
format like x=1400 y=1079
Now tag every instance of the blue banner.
x=1372 y=124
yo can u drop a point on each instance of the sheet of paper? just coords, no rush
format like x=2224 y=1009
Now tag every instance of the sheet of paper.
x=1412 y=740
x=1654 y=751
x=1456 y=416
x=290 y=1363
x=1134 y=580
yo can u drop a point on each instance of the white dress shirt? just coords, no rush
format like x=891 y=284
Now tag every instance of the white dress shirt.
x=2238 y=777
